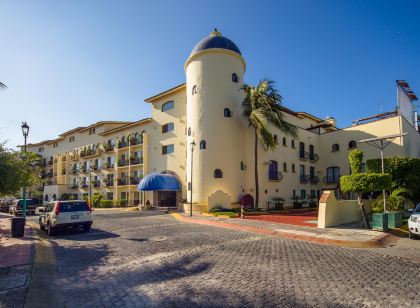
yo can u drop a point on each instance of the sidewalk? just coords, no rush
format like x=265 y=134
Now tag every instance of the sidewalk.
x=16 y=259
x=346 y=236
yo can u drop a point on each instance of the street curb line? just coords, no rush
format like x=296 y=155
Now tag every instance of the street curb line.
x=41 y=292
x=378 y=242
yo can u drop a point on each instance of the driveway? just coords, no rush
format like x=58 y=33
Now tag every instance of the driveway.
x=305 y=219
x=132 y=259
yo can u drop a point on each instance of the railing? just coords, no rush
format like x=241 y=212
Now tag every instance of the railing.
x=83 y=169
x=122 y=182
x=86 y=153
x=136 y=160
x=303 y=155
x=275 y=176
x=109 y=183
x=314 y=180
x=43 y=175
x=75 y=186
x=313 y=157
x=122 y=145
x=55 y=160
x=96 y=167
x=40 y=188
x=122 y=163
x=97 y=184
x=108 y=147
x=134 y=181
x=134 y=141
x=107 y=166
x=304 y=179
x=85 y=185
x=331 y=179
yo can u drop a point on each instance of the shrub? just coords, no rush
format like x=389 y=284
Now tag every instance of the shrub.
x=297 y=203
x=122 y=202
x=355 y=160
x=96 y=199
x=106 y=203
x=365 y=182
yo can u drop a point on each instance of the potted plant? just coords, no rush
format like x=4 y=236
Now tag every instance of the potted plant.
x=279 y=203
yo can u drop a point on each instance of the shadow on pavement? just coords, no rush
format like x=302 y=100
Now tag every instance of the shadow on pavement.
x=79 y=235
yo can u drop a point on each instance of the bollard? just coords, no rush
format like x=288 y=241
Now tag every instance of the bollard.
x=242 y=212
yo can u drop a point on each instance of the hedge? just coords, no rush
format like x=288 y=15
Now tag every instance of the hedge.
x=405 y=173
x=364 y=182
x=106 y=203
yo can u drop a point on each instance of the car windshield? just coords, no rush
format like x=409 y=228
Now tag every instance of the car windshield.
x=74 y=206
x=417 y=210
x=28 y=202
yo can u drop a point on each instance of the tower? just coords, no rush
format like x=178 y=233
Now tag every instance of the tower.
x=215 y=74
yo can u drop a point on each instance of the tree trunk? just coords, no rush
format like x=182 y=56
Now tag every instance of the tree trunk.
x=362 y=211
x=257 y=188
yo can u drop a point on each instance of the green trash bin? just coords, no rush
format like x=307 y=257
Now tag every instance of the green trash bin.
x=380 y=222
x=395 y=219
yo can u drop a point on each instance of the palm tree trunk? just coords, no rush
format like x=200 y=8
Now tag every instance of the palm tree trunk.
x=257 y=188
x=362 y=211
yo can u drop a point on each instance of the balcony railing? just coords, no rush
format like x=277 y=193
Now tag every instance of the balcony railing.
x=107 y=166
x=122 y=163
x=75 y=186
x=122 y=145
x=86 y=153
x=275 y=176
x=43 y=175
x=313 y=157
x=83 y=169
x=85 y=185
x=95 y=168
x=136 y=160
x=314 y=180
x=303 y=155
x=122 y=182
x=109 y=183
x=97 y=184
x=134 y=181
x=304 y=179
x=108 y=147
x=134 y=141
x=331 y=179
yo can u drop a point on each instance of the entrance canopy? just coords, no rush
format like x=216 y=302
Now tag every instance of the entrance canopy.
x=159 y=182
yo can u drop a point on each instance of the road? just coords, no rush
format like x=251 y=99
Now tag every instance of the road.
x=130 y=259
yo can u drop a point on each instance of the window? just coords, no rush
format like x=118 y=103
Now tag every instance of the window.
x=243 y=167
x=275 y=138
x=55 y=144
x=235 y=77
x=167 y=127
x=109 y=195
x=168 y=106
x=41 y=149
x=202 y=145
x=352 y=144
x=303 y=194
x=218 y=174
x=313 y=194
x=335 y=147
x=294 y=193
x=189 y=186
x=302 y=170
x=284 y=167
x=333 y=175
x=311 y=172
x=293 y=143
x=167 y=149
x=194 y=90
x=301 y=150
x=91 y=131
x=284 y=141
x=189 y=131
x=227 y=113
x=272 y=170
x=293 y=168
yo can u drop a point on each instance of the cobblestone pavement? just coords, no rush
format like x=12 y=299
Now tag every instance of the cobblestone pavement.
x=129 y=260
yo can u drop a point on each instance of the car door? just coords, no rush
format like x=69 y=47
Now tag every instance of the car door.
x=44 y=215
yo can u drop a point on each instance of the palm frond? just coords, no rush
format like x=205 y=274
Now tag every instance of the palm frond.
x=2 y=86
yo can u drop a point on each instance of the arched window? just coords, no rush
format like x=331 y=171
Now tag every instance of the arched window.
x=352 y=144
x=54 y=197
x=167 y=127
x=189 y=131
x=284 y=167
x=335 y=147
x=272 y=170
x=218 y=174
x=203 y=145
x=234 y=77
x=194 y=90
x=46 y=198
x=168 y=106
x=275 y=138
x=227 y=113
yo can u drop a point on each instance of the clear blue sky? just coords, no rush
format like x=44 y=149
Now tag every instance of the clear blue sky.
x=72 y=63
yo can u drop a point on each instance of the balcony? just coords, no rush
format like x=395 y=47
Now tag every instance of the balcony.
x=314 y=180
x=134 y=181
x=84 y=185
x=75 y=186
x=95 y=168
x=122 y=145
x=122 y=182
x=275 y=176
x=74 y=171
x=136 y=160
x=109 y=183
x=304 y=179
x=122 y=163
x=107 y=166
x=303 y=155
x=331 y=179
x=313 y=157
x=75 y=156
x=83 y=169
x=97 y=184
x=108 y=147
x=134 y=141
x=88 y=153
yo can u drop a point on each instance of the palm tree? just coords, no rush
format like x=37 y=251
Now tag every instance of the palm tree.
x=261 y=108
x=2 y=86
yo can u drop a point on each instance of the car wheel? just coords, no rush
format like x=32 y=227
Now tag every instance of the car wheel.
x=50 y=230
x=411 y=235
x=41 y=226
x=86 y=228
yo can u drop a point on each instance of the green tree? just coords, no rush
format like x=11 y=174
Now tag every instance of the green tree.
x=96 y=199
x=361 y=183
x=262 y=108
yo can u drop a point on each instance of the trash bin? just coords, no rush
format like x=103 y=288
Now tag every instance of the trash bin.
x=395 y=219
x=18 y=226
x=380 y=222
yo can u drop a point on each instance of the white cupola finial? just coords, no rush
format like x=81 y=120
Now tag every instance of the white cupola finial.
x=215 y=32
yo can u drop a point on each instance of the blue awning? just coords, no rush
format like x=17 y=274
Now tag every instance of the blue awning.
x=159 y=181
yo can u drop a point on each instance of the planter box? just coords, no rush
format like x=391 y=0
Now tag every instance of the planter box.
x=380 y=222
x=395 y=219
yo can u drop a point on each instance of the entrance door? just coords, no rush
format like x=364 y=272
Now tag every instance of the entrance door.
x=167 y=198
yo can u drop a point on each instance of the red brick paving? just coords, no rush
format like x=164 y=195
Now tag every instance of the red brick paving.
x=298 y=219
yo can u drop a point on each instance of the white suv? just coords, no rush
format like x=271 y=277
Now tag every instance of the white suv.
x=65 y=214
x=414 y=223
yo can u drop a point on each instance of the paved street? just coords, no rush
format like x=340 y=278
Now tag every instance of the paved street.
x=129 y=259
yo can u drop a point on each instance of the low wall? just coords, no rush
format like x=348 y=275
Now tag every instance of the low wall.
x=333 y=212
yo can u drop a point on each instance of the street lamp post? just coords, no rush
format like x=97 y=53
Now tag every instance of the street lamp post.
x=90 y=185
x=192 y=146
x=25 y=131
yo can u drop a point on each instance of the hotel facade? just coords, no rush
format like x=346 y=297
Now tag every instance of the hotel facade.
x=111 y=158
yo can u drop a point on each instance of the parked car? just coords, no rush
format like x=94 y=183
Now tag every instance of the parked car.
x=414 y=223
x=16 y=208
x=65 y=214
x=4 y=205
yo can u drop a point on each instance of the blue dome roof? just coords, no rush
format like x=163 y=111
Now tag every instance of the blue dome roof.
x=159 y=181
x=216 y=40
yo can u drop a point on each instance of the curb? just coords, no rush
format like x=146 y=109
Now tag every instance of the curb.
x=378 y=242
x=41 y=291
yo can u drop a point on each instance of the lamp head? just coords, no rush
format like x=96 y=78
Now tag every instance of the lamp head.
x=192 y=145
x=25 y=129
